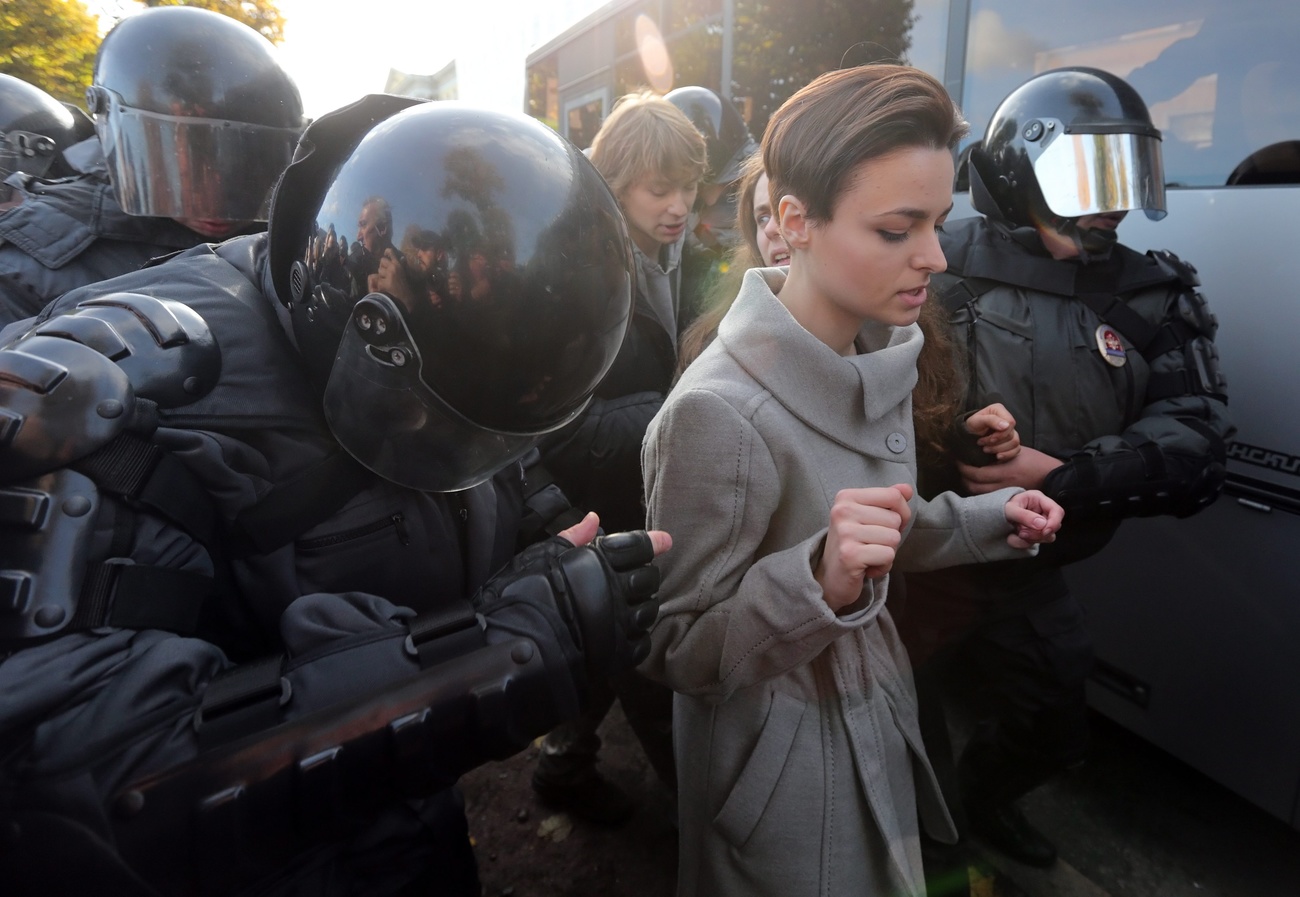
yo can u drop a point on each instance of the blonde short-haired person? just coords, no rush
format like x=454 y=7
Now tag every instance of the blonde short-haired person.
x=653 y=158
x=783 y=462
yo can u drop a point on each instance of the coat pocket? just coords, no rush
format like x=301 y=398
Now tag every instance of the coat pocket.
x=750 y=795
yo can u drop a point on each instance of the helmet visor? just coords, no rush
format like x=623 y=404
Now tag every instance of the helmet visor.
x=1090 y=174
x=382 y=412
x=199 y=168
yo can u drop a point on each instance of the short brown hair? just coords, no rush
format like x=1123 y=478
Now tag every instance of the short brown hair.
x=647 y=136
x=821 y=134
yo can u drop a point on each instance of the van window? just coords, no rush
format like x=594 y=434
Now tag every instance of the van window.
x=1221 y=77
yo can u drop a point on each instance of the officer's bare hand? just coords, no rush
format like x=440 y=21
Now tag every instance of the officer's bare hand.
x=866 y=528
x=996 y=429
x=586 y=529
x=1026 y=470
x=1035 y=518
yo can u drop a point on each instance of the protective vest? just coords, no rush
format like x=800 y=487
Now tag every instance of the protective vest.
x=69 y=233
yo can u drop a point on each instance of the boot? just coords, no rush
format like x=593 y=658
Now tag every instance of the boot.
x=1005 y=827
x=990 y=782
x=585 y=794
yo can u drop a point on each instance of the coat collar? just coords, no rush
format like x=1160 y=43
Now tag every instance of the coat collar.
x=807 y=376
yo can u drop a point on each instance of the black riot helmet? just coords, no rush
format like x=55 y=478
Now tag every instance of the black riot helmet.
x=35 y=129
x=196 y=116
x=728 y=140
x=459 y=282
x=1067 y=143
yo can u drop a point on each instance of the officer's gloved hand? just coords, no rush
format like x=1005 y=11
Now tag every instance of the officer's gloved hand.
x=589 y=607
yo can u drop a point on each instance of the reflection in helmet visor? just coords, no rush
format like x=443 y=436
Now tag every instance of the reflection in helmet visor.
x=183 y=167
x=1090 y=174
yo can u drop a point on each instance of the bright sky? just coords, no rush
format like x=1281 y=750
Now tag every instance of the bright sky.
x=338 y=50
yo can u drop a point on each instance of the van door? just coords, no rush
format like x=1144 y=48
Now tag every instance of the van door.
x=1196 y=621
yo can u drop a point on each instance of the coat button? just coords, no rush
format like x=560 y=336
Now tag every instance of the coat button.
x=896 y=442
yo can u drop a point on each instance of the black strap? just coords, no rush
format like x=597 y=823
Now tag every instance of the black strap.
x=241 y=701
x=546 y=507
x=295 y=506
x=445 y=633
x=955 y=295
x=135 y=596
x=141 y=472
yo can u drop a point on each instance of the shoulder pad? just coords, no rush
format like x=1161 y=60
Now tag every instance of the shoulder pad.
x=1185 y=272
x=69 y=385
x=59 y=401
x=165 y=348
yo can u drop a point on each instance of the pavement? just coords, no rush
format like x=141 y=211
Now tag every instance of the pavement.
x=1132 y=822
x=1136 y=822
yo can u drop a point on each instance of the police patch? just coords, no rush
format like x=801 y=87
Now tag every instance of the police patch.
x=1110 y=347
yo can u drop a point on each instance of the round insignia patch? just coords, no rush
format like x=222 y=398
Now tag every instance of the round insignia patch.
x=1110 y=347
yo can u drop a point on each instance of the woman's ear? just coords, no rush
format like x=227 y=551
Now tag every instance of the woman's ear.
x=794 y=220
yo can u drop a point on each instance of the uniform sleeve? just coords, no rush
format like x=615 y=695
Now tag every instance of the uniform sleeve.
x=596 y=460
x=1171 y=458
x=732 y=615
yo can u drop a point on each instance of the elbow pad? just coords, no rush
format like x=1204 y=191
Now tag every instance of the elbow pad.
x=1144 y=482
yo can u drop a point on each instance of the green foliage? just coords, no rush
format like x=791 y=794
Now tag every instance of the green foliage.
x=49 y=43
x=780 y=46
x=261 y=15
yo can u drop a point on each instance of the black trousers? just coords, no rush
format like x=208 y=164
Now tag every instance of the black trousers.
x=570 y=750
x=1016 y=657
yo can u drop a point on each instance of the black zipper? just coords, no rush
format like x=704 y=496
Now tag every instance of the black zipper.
x=396 y=521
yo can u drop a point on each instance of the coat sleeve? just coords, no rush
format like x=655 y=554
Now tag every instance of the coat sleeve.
x=1171 y=459
x=953 y=529
x=733 y=615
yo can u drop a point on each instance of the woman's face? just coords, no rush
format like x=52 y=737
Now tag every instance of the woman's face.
x=873 y=259
x=656 y=211
x=771 y=246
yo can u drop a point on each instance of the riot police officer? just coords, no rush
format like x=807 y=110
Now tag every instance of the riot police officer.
x=35 y=130
x=1105 y=356
x=729 y=144
x=713 y=231
x=264 y=598
x=196 y=119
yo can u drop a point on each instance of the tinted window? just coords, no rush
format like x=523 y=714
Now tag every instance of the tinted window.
x=1222 y=77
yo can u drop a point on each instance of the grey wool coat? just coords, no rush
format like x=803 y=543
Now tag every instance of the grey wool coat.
x=799 y=756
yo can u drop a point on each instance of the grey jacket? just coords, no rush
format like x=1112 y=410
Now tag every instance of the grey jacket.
x=800 y=760
x=71 y=232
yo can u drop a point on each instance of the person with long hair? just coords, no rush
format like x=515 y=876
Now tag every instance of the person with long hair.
x=944 y=429
x=784 y=463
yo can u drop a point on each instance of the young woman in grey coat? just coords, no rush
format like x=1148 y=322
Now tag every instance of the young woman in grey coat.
x=783 y=465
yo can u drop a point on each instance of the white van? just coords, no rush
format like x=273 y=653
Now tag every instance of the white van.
x=1197 y=621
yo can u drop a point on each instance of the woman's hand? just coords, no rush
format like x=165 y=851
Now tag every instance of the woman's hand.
x=866 y=528
x=1035 y=518
x=996 y=429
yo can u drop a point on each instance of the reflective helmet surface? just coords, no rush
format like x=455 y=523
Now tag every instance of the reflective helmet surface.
x=725 y=134
x=196 y=115
x=35 y=129
x=1067 y=143
x=459 y=283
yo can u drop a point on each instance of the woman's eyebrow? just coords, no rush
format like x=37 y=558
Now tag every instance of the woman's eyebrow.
x=918 y=214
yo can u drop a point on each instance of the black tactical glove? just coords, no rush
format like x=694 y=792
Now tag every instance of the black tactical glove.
x=588 y=607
